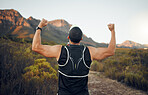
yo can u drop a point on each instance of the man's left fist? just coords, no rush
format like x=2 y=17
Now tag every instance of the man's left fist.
x=43 y=23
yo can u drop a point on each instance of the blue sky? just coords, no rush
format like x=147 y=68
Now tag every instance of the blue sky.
x=92 y=16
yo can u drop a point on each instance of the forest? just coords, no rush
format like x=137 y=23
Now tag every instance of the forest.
x=24 y=72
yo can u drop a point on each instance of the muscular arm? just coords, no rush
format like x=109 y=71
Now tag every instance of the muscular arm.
x=45 y=50
x=101 y=53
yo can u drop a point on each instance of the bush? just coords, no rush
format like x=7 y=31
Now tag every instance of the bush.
x=136 y=80
x=97 y=66
x=128 y=66
x=42 y=77
x=16 y=60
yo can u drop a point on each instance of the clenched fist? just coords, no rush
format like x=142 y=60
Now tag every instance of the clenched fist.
x=111 y=27
x=43 y=23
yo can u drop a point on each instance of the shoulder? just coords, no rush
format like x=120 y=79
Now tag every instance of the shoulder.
x=55 y=47
x=58 y=50
x=58 y=46
x=53 y=51
x=92 y=51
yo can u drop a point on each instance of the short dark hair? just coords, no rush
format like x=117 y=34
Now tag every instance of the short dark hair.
x=75 y=34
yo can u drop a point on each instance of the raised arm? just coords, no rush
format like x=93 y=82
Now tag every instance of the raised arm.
x=101 y=53
x=45 y=50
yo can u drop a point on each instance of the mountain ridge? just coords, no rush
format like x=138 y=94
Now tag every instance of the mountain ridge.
x=14 y=24
x=132 y=44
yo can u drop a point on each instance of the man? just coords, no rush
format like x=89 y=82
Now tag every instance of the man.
x=74 y=59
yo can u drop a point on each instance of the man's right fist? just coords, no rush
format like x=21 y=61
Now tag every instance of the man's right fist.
x=43 y=23
x=111 y=27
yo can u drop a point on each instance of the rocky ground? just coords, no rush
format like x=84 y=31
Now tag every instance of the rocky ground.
x=100 y=85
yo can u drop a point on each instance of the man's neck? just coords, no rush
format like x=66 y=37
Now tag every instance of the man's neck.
x=74 y=43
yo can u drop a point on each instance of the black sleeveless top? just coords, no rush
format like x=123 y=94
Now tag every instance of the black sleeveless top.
x=74 y=64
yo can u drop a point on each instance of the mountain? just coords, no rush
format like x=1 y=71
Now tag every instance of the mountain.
x=145 y=45
x=131 y=44
x=12 y=23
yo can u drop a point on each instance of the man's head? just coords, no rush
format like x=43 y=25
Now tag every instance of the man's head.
x=75 y=34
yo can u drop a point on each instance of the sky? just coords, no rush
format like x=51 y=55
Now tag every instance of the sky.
x=92 y=16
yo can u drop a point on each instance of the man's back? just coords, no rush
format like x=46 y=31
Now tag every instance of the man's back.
x=74 y=63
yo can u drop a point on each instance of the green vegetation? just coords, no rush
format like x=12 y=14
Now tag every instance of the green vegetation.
x=24 y=72
x=40 y=78
x=129 y=66
x=97 y=66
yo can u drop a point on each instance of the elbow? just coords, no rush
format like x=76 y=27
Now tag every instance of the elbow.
x=112 y=52
x=34 y=48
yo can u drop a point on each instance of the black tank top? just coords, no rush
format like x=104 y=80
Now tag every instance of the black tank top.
x=74 y=64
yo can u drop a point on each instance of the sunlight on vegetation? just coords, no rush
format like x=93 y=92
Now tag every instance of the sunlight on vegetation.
x=24 y=72
x=129 y=66
x=42 y=76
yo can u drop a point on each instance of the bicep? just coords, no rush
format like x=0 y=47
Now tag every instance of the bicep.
x=103 y=53
x=49 y=51
x=99 y=53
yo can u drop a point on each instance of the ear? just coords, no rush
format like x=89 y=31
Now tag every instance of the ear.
x=68 y=37
x=82 y=38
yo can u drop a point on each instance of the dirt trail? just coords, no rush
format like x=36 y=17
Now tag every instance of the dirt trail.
x=99 y=85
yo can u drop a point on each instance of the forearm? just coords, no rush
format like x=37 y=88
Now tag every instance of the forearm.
x=112 y=44
x=36 y=40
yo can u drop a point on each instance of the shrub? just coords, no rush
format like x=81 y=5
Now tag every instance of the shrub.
x=97 y=66
x=128 y=66
x=42 y=77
